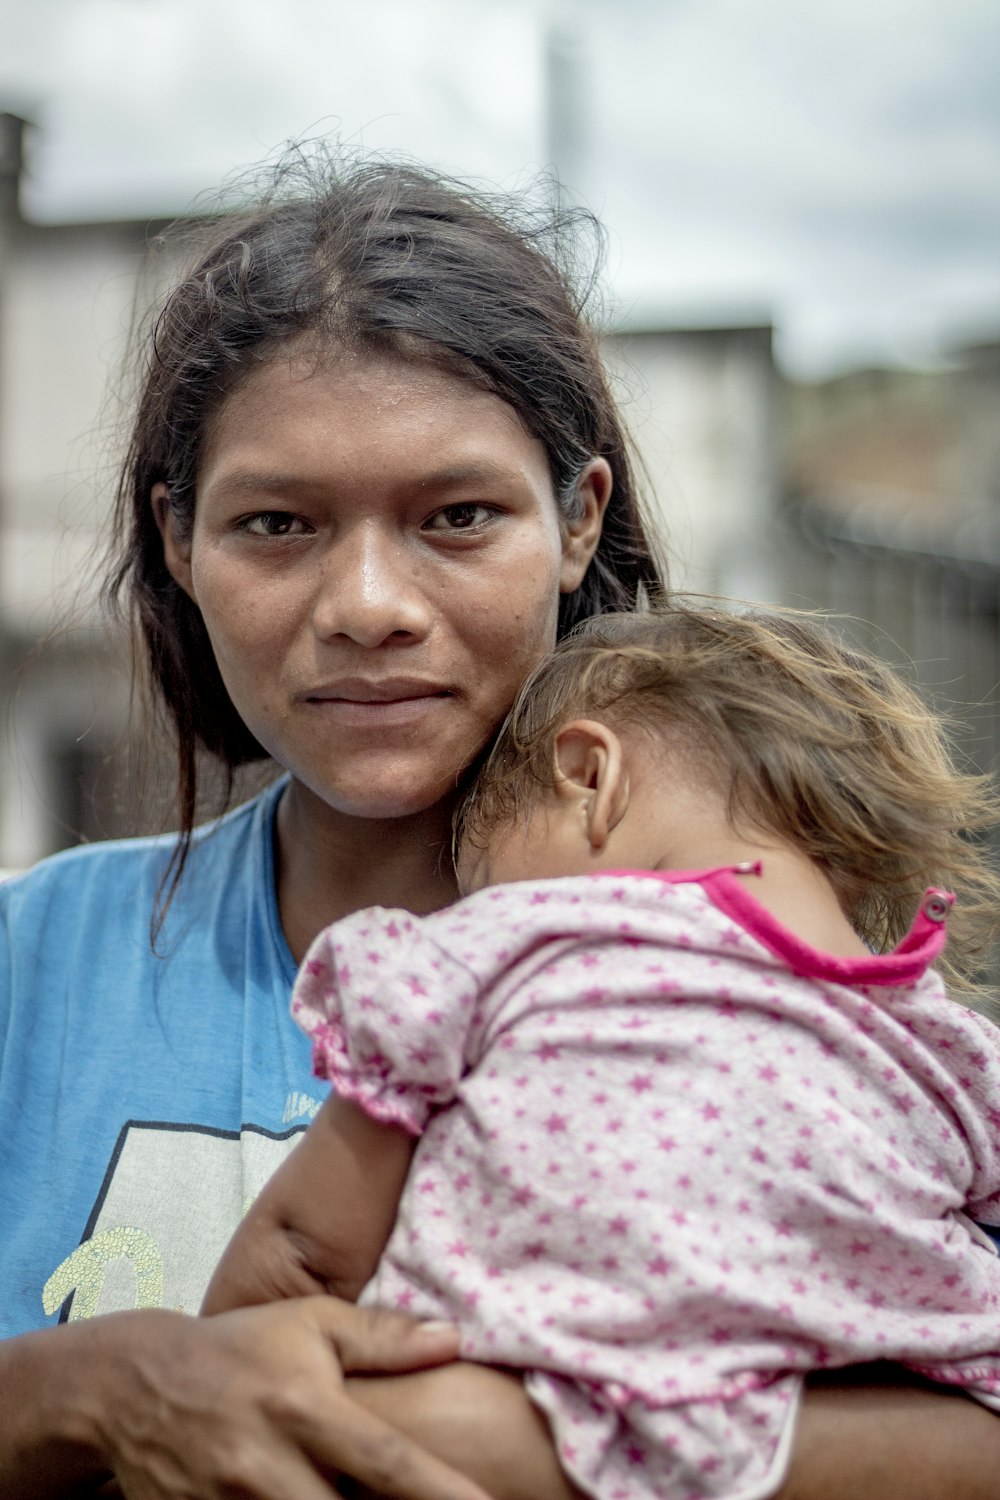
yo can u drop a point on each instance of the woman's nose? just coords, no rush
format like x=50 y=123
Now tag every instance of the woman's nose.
x=368 y=589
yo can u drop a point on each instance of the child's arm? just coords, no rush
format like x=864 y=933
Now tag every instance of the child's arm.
x=322 y=1221
x=868 y=1433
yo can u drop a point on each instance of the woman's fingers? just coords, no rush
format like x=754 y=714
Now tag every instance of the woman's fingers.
x=347 y=1439
x=368 y=1340
x=352 y=1441
x=264 y=1470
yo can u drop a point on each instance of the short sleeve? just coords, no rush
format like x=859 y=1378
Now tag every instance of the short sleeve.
x=6 y=978
x=389 y=1013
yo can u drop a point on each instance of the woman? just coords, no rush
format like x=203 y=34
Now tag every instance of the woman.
x=375 y=469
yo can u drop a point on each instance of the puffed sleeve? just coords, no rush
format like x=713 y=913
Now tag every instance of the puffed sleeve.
x=388 y=1010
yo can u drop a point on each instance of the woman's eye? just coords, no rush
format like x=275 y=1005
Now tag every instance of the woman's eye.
x=273 y=523
x=464 y=517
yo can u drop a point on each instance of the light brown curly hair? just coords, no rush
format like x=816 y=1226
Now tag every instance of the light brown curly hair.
x=821 y=744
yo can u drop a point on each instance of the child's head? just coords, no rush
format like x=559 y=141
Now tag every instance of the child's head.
x=797 y=737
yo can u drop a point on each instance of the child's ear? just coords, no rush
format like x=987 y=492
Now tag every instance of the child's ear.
x=590 y=772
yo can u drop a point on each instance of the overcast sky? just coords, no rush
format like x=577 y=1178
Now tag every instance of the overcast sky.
x=831 y=164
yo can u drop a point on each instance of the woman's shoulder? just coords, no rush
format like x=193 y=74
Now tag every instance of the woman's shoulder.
x=136 y=866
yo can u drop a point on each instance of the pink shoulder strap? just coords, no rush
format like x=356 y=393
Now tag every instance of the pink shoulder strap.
x=904 y=965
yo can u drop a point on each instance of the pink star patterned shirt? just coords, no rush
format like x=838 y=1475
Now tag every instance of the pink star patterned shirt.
x=671 y=1159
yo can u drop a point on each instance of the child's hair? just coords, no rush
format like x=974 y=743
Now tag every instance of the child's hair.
x=814 y=741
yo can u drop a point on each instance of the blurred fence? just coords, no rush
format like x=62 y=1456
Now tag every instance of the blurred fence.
x=931 y=604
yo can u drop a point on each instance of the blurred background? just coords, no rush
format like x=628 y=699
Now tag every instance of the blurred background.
x=801 y=305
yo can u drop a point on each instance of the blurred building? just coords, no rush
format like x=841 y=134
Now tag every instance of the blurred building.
x=703 y=405
x=66 y=298
x=924 y=441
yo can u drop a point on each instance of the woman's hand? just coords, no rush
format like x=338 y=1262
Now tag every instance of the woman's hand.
x=250 y=1404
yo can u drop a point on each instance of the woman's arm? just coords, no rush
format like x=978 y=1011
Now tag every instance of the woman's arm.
x=877 y=1433
x=250 y=1403
x=866 y=1434
x=322 y=1221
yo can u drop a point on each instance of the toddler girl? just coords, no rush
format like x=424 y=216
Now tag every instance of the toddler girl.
x=670 y=1110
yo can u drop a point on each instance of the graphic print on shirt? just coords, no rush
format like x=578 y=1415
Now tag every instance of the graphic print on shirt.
x=169 y=1202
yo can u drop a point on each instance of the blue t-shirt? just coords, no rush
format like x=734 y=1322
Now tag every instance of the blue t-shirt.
x=144 y=1097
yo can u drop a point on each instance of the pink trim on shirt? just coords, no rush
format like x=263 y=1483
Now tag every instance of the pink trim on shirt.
x=904 y=965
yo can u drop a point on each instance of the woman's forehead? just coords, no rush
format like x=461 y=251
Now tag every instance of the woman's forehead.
x=298 y=413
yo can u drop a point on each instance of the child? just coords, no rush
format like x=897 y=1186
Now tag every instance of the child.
x=681 y=1136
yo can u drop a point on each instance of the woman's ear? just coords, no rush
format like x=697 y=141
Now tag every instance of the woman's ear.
x=580 y=537
x=176 y=549
x=590 y=773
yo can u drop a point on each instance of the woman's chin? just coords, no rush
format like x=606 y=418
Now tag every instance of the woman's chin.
x=375 y=799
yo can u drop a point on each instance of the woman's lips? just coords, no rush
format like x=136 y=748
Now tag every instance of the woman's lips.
x=370 y=705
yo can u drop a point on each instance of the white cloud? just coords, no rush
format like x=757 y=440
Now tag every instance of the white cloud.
x=837 y=162
x=147 y=102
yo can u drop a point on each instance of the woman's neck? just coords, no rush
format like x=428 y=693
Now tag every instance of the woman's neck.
x=330 y=865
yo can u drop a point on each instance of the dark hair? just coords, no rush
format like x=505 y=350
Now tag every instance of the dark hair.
x=810 y=739
x=378 y=256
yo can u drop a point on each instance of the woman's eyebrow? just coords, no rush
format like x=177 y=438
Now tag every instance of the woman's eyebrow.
x=247 y=481
x=256 y=481
x=476 y=471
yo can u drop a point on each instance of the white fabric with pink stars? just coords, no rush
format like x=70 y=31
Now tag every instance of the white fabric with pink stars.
x=671 y=1159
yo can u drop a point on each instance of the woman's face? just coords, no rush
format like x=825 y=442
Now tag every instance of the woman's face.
x=377 y=556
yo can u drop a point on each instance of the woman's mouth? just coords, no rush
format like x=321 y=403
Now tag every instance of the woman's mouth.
x=362 y=703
